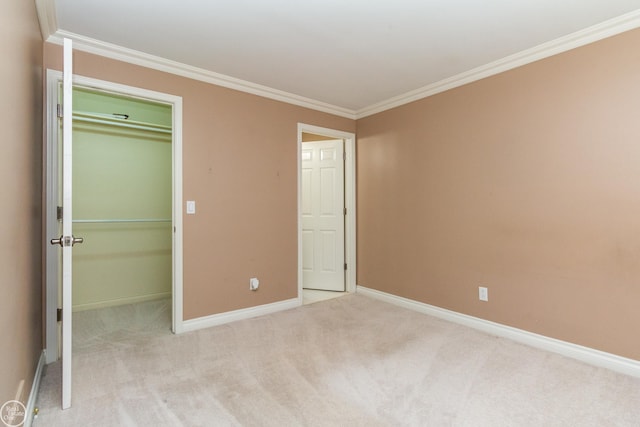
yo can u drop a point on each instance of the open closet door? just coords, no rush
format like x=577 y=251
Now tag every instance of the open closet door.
x=66 y=240
x=323 y=262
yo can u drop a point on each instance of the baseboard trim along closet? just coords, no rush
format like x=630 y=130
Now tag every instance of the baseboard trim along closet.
x=584 y=354
x=122 y=301
x=242 y=314
x=33 y=395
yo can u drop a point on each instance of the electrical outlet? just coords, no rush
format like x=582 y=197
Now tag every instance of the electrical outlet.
x=483 y=293
x=254 y=283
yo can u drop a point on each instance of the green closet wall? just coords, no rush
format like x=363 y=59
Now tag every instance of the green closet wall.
x=121 y=174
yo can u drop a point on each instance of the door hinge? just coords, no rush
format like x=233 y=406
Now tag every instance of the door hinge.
x=345 y=266
x=59 y=213
x=345 y=211
x=59 y=315
x=59 y=110
x=344 y=155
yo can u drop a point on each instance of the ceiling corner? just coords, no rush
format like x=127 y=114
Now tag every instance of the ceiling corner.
x=121 y=53
x=609 y=28
x=46 y=10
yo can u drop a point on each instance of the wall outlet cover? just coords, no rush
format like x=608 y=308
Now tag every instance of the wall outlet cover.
x=483 y=293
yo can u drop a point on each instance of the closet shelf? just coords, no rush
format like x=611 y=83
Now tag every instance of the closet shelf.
x=109 y=221
x=110 y=120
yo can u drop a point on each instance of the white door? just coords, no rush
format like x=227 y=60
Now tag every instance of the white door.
x=323 y=215
x=66 y=240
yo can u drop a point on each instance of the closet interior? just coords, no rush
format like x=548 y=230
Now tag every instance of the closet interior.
x=122 y=200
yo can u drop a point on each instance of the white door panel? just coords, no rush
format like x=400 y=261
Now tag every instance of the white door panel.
x=67 y=105
x=328 y=248
x=61 y=196
x=307 y=250
x=306 y=192
x=327 y=192
x=323 y=215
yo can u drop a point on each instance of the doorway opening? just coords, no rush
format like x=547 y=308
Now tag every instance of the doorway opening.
x=127 y=182
x=326 y=213
x=122 y=200
x=122 y=209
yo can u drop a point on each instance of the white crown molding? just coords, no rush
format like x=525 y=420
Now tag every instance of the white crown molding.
x=131 y=56
x=592 y=34
x=46 y=11
x=584 y=354
x=50 y=33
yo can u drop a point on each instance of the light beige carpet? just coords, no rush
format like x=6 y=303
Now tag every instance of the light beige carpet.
x=350 y=361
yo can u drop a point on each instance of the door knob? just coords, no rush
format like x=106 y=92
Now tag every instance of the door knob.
x=67 y=241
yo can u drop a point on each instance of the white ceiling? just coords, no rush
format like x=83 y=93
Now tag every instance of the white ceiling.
x=351 y=54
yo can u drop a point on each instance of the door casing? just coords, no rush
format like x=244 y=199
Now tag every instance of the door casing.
x=50 y=186
x=349 y=201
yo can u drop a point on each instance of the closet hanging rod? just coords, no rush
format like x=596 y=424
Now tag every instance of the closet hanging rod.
x=105 y=119
x=109 y=221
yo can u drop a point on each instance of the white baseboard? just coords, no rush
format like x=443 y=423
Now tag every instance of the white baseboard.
x=121 y=301
x=232 y=316
x=35 y=387
x=574 y=351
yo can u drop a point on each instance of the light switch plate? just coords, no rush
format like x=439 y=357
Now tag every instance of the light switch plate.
x=191 y=207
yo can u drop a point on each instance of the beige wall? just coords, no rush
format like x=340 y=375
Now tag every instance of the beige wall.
x=528 y=183
x=20 y=215
x=240 y=167
x=525 y=182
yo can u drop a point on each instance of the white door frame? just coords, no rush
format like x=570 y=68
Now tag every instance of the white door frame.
x=50 y=186
x=349 y=201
